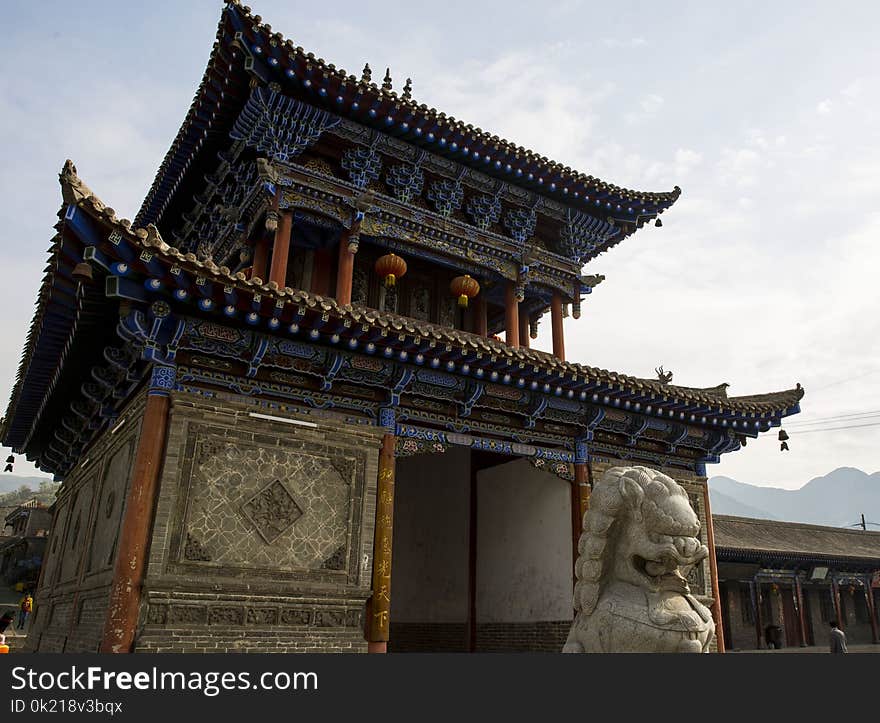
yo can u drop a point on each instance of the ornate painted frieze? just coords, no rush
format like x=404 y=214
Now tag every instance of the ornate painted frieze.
x=447 y=195
x=406 y=447
x=406 y=181
x=216 y=339
x=563 y=470
x=484 y=210
x=520 y=223
x=364 y=164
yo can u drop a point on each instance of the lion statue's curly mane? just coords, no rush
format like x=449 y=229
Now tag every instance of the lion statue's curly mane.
x=640 y=540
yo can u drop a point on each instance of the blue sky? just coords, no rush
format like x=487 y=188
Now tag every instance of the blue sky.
x=766 y=114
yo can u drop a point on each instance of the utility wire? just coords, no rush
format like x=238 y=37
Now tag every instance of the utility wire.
x=852 y=414
x=842 y=417
x=796 y=432
x=835 y=429
x=846 y=380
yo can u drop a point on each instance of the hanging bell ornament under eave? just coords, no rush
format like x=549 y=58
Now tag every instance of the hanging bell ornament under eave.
x=783 y=438
x=390 y=267
x=83 y=272
x=465 y=288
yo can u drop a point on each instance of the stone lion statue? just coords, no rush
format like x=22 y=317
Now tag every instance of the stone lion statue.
x=640 y=540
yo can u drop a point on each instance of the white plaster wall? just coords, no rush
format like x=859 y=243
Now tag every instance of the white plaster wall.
x=524 y=546
x=429 y=582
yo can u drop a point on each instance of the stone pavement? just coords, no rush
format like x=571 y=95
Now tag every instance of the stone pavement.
x=868 y=648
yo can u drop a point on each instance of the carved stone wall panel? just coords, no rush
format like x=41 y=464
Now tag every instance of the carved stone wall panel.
x=55 y=543
x=111 y=504
x=76 y=538
x=273 y=508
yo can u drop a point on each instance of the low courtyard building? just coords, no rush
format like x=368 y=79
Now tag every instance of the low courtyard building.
x=781 y=583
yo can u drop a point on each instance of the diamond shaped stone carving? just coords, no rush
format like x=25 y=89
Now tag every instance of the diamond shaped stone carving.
x=272 y=511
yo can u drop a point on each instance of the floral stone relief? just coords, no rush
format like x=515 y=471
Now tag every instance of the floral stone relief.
x=268 y=507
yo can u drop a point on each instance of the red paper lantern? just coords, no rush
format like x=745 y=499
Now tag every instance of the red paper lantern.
x=464 y=287
x=391 y=267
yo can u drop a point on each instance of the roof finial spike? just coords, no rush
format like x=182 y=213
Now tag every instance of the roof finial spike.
x=367 y=75
x=407 y=89
x=386 y=84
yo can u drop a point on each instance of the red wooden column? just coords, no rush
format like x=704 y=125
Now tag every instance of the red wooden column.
x=799 y=601
x=281 y=249
x=872 y=611
x=759 y=624
x=345 y=267
x=134 y=535
x=580 y=498
x=481 y=321
x=556 y=323
x=379 y=609
x=261 y=259
x=713 y=569
x=511 y=315
x=523 y=329
x=835 y=599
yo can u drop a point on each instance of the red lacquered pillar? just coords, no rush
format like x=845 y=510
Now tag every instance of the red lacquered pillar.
x=134 y=535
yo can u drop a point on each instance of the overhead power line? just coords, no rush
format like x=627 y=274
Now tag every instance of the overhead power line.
x=834 y=429
x=842 y=417
x=845 y=380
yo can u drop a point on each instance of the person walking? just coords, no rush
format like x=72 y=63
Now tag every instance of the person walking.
x=24 y=610
x=838 y=639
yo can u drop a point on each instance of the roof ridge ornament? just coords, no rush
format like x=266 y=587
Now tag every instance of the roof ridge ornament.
x=73 y=190
x=662 y=376
x=386 y=82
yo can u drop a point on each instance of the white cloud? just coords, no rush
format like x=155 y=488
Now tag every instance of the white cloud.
x=634 y=42
x=686 y=160
x=740 y=167
x=853 y=90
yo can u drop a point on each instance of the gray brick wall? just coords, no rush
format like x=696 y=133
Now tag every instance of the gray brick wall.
x=71 y=600
x=221 y=579
x=428 y=638
x=546 y=636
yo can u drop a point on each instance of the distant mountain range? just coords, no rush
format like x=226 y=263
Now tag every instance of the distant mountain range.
x=11 y=482
x=837 y=499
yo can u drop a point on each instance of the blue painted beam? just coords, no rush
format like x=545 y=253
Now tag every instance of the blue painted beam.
x=82 y=225
x=121 y=288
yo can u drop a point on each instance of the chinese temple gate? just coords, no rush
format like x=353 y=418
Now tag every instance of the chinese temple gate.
x=294 y=404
